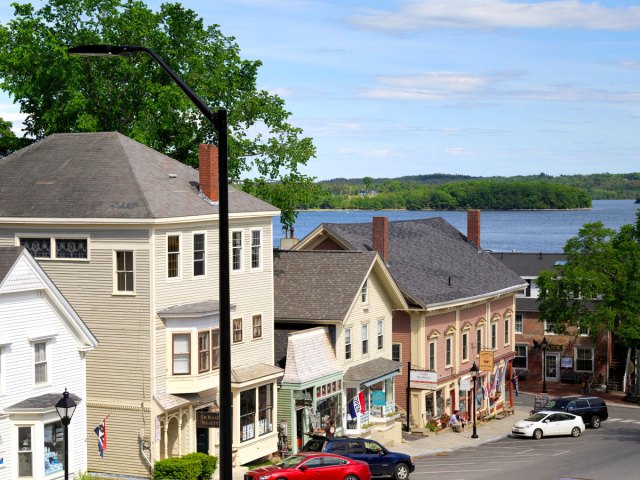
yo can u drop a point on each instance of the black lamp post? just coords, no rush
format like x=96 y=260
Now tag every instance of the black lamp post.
x=219 y=121
x=65 y=407
x=543 y=346
x=474 y=373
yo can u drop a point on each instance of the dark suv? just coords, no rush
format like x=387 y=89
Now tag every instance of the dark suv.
x=382 y=462
x=593 y=410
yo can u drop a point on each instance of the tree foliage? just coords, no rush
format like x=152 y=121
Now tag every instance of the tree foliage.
x=9 y=142
x=134 y=96
x=599 y=287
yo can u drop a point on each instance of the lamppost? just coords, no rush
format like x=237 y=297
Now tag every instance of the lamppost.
x=474 y=373
x=219 y=121
x=65 y=407
x=543 y=346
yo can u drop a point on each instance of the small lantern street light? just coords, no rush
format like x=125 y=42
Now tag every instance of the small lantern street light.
x=65 y=407
x=543 y=346
x=474 y=373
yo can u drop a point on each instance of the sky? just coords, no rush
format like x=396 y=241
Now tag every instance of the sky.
x=388 y=88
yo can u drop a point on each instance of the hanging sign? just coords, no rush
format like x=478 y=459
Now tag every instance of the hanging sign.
x=378 y=398
x=423 y=379
x=465 y=384
x=208 y=419
x=486 y=361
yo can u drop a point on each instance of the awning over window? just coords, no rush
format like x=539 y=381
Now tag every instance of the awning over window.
x=39 y=404
x=372 y=371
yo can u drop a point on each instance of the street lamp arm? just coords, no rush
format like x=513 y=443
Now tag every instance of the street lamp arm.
x=124 y=50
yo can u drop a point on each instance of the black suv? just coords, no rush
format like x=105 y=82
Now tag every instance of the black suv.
x=593 y=410
x=382 y=462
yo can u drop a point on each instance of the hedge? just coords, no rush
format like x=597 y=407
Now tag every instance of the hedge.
x=194 y=466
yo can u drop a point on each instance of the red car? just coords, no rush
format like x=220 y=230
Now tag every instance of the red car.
x=313 y=465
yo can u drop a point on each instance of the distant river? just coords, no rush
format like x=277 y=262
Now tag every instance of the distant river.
x=501 y=231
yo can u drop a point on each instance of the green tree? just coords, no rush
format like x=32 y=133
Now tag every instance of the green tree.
x=9 y=142
x=599 y=286
x=134 y=96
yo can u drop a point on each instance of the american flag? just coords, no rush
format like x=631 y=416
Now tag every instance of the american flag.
x=101 y=432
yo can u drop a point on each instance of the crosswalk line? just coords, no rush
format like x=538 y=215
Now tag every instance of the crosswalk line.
x=627 y=421
x=614 y=419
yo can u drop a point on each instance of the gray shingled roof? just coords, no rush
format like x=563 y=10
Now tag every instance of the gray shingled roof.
x=255 y=371
x=530 y=264
x=431 y=261
x=41 y=402
x=367 y=371
x=527 y=304
x=191 y=309
x=8 y=256
x=105 y=175
x=318 y=285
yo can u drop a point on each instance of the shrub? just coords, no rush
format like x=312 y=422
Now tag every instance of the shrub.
x=178 y=468
x=207 y=463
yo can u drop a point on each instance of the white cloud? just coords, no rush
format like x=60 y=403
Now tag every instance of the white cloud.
x=456 y=151
x=366 y=152
x=499 y=14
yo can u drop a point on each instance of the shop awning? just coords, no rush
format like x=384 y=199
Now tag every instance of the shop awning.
x=39 y=404
x=248 y=374
x=372 y=371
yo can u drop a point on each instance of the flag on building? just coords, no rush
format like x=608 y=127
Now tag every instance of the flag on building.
x=101 y=432
x=514 y=380
x=356 y=405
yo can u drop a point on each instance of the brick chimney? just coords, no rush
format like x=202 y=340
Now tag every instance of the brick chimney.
x=380 y=237
x=473 y=227
x=208 y=167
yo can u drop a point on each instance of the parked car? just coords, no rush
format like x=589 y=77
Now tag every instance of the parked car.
x=593 y=410
x=547 y=423
x=304 y=466
x=382 y=462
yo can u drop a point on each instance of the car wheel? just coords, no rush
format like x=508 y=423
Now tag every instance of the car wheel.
x=595 y=421
x=351 y=477
x=401 y=472
x=575 y=432
x=537 y=434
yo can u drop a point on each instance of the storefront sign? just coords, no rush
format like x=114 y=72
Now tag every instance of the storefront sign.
x=423 y=379
x=465 y=384
x=554 y=348
x=302 y=398
x=486 y=361
x=208 y=419
x=566 y=362
x=378 y=398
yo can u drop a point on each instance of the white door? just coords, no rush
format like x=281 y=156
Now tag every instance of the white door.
x=552 y=367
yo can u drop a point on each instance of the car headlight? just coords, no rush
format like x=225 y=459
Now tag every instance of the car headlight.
x=264 y=477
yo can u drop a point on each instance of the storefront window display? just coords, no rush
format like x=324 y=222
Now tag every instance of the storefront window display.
x=331 y=407
x=247 y=414
x=439 y=402
x=53 y=448
x=265 y=405
x=352 y=423
x=25 y=455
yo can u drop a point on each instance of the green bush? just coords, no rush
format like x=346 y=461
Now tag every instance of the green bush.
x=207 y=463
x=178 y=468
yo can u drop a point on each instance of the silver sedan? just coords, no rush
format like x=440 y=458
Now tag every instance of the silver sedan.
x=546 y=423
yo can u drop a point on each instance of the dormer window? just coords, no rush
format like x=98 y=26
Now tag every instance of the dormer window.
x=364 y=292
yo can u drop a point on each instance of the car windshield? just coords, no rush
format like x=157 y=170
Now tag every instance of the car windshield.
x=291 y=462
x=536 y=417
x=556 y=404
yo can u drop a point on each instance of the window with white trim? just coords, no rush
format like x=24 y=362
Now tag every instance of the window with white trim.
x=236 y=250
x=396 y=352
x=124 y=271
x=173 y=256
x=25 y=452
x=181 y=353
x=365 y=339
x=199 y=249
x=584 y=359
x=447 y=351
x=257 y=326
x=237 y=330
x=380 y=334
x=247 y=414
x=265 y=409
x=432 y=354
x=494 y=335
x=347 y=343
x=40 y=362
x=57 y=247
x=203 y=352
x=364 y=292
x=215 y=349
x=465 y=345
x=521 y=358
x=478 y=340
x=256 y=249
x=507 y=330
x=519 y=326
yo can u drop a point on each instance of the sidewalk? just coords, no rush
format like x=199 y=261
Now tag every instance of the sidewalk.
x=563 y=389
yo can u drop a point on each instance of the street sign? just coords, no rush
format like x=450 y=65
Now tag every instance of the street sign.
x=208 y=419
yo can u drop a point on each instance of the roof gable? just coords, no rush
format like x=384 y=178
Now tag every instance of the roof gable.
x=310 y=356
x=105 y=175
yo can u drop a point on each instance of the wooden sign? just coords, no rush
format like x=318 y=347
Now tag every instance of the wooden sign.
x=423 y=379
x=486 y=361
x=208 y=419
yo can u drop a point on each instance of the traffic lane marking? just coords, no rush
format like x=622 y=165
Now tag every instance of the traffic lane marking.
x=427 y=460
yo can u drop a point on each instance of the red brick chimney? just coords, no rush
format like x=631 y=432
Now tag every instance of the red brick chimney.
x=208 y=166
x=473 y=227
x=380 y=237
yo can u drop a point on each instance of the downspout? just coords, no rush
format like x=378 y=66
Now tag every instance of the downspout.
x=145 y=445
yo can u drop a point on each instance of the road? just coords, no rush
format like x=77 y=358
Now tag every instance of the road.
x=608 y=453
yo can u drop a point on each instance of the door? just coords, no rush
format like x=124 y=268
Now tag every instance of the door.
x=552 y=367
